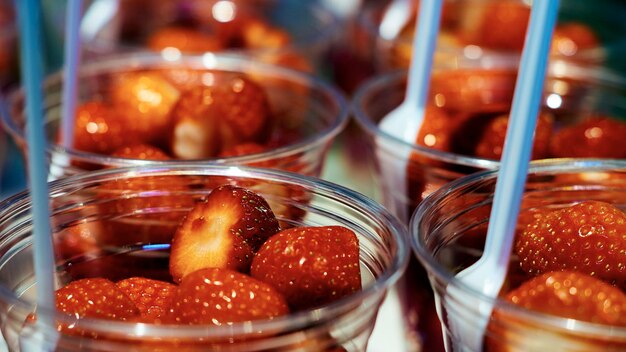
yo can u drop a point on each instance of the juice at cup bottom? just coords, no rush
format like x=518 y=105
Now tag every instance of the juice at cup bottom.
x=129 y=215
x=470 y=94
x=447 y=235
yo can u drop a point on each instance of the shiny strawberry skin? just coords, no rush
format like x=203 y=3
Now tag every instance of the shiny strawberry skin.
x=101 y=129
x=141 y=152
x=95 y=298
x=221 y=296
x=595 y=137
x=588 y=237
x=153 y=298
x=223 y=231
x=187 y=40
x=310 y=266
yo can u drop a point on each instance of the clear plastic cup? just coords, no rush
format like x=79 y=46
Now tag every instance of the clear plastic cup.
x=307 y=113
x=288 y=32
x=161 y=195
x=447 y=234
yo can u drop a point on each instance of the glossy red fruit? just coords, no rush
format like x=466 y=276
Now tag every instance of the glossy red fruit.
x=101 y=129
x=77 y=240
x=153 y=298
x=570 y=39
x=588 y=237
x=310 y=266
x=258 y=34
x=186 y=40
x=95 y=298
x=499 y=25
x=595 y=137
x=224 y=231
x=220 y=296
x=491 y=142
x=140 y=151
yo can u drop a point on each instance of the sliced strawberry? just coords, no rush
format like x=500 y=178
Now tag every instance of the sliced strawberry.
x=586 y=237
x=147 y=99
x=140 y=151
x=153 y=298
x=595 y=137
x=224 y=231
x=187 y=40
x=310 y=266
x=95 y=298
x=221 y=296
x=491 y=142
x=571 y=38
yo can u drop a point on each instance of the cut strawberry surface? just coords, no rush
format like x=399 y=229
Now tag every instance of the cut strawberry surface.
x=223 y=231
x=95 y=298
x=153 y=298
x=221 y=296
x=589 y=237
x=310 y=266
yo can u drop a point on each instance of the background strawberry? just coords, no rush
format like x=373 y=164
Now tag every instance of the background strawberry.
x=187 y=40
x=310 y=266
x=152 y=297
x=595 y=137
x=140 y=151
x=95 y=298
x=101 y=129
x=223 y=231
x=221 y=296
x=586 y=237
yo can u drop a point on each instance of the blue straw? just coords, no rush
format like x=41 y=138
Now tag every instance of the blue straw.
x=32 y=70
x=519 y=137
x=72 y=61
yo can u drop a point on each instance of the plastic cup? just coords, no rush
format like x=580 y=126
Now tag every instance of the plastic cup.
x=447 y=234
x=306 y=112
x=287 y=32
x=162 y=194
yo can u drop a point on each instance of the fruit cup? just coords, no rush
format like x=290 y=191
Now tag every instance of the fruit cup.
x=84 y=206
x=139 y=108
x=285 y=32
x=581 y=202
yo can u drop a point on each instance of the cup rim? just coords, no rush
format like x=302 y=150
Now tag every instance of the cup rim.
x=216 y=61
x=543 y=167
x=388 y=277
x=556 y=69
x=325 y=33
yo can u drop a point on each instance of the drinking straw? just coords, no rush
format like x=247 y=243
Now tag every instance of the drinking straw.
x=32 y=69
x=519 y=136
x=72 y=62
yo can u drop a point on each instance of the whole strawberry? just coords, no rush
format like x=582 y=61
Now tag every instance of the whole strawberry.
x=595 y=137
x=152 y=297
x=223 y=231
x=95 y=298
x=588 y=237
x=101 y=129
x=221 y=296
x=310 y=266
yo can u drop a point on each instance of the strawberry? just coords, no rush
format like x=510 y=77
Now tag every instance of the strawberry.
x=152 y=297
x=221 y=296
x=95 y=298
x=187 y=40
x=310 y=266
x=77 y=240
x=587 y=237
x=572 y=38
x=258 y=34
x=491 y=141
x=565 y=294
x=497 y=25
x=224 y=231
x=436 y=130
x=147 y=98
x=595 y=137
x=141 y=152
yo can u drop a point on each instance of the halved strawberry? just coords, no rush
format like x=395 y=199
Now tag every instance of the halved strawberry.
x=595 y=137
x=147 y=99
x=586 y=237
x=187 y=40
x=565 y=294
x=140 y=151
x=224 y=231
x=221 y=296
x=153 y=298
x=95 y=298
x=310 y=266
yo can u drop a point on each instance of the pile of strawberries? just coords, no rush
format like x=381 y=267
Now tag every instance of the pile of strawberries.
x=230 y=262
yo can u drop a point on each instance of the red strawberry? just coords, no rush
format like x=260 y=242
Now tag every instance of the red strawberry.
x=224 y=231
x=221 y=296
x=571 y=38
x=246 y=149
x=310 y=266
x=495 y=25
x=588 y=237
x=77 y=240
x=436 y=130
x=564 y=294
x=491 y=142
x=140 y=151
x=187 y=40
x=148 y=99
x=95 y=298
x=596 y=137
x=152 y=297
x=257 y=34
